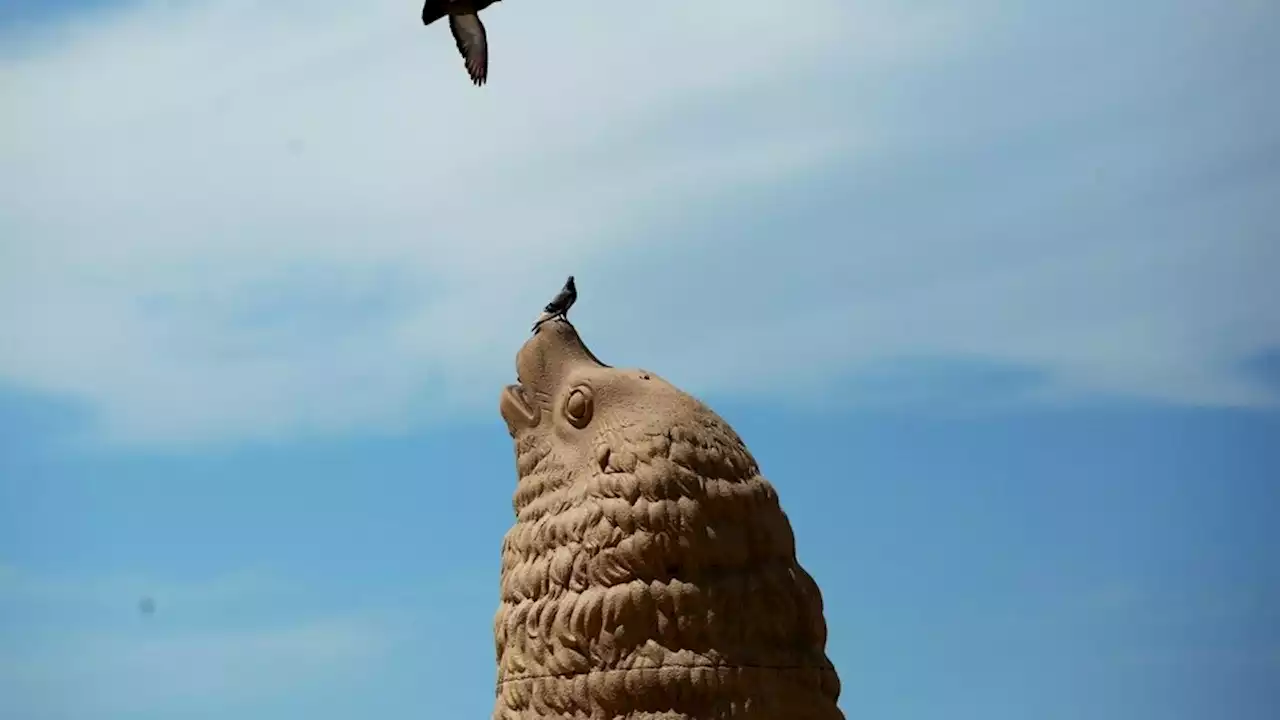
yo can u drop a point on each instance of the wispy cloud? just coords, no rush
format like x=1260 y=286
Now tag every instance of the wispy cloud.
x=234 y=220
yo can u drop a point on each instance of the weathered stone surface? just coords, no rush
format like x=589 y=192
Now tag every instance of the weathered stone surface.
x=651 y=572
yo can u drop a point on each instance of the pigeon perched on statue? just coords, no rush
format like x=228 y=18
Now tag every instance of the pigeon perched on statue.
x=468 y=32
x=559 y=306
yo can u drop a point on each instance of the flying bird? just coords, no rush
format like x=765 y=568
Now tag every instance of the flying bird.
x=468 y=32
x=559 y=306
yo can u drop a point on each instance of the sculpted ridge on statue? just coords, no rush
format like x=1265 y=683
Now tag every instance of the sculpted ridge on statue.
x=651 y=572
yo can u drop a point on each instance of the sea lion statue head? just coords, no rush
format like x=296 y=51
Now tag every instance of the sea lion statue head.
x=585 y=418
x=651 y=571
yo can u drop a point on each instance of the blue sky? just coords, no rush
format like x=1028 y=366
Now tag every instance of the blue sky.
x=988 y=290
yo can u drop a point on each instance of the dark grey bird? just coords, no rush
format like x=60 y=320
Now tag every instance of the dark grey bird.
x=468 y=32
x=559 y=306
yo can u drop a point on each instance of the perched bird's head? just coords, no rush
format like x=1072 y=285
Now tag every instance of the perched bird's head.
x=569 y=284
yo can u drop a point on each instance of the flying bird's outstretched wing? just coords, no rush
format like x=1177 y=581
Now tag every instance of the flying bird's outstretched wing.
x=468 y=33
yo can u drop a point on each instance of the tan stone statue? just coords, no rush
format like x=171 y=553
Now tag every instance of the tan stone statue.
x=651 y=572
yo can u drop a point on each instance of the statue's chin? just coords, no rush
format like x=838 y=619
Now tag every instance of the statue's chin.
x=516 y=409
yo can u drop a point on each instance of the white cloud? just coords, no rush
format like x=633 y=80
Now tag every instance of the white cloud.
x=242 y=220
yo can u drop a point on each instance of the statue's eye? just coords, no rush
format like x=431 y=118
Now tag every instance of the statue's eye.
x=578 y=406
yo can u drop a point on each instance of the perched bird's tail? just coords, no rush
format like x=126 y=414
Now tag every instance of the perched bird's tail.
x=545 y=316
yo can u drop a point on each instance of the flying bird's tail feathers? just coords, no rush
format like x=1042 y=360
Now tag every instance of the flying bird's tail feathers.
x=433 y=10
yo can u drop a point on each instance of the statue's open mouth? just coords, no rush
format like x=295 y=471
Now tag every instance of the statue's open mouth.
x=516 y=408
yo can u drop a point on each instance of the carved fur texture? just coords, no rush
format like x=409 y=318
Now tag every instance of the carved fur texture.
x=651 y=572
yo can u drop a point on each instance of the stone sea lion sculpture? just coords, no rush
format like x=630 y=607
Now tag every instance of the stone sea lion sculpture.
x=651 y=572
x=468 y=32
